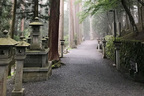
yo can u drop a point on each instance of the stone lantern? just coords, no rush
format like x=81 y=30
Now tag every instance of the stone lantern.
x=36 y=66
x=117 y=48
x=36 y=43
x=62 y=45
x=6 y=46
x=104 y=50
x=20 y=57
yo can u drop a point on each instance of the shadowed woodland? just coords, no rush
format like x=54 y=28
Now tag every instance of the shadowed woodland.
x=35 y=35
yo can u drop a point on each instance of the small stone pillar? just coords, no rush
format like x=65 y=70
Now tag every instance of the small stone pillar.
x=117 y=47
x=104 y=50
x=98 y=47
x=6 y=45
x=62 y=45
x=20 y=56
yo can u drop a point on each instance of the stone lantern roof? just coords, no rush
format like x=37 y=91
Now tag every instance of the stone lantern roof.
x=22 y=43
x=36 y=22
x=7 y=41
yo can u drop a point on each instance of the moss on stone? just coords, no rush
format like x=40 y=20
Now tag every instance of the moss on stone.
x=57 y=64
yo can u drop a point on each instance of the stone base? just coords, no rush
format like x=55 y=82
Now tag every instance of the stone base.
x=18 y=93
x=36 y=58
x=34 y=74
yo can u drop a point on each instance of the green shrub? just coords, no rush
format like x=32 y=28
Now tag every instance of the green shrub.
x=129 y=51
x=110 y=49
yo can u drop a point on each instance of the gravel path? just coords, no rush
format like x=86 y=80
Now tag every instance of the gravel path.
x=85 y=74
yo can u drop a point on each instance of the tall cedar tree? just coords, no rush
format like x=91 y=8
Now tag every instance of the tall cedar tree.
x=54 y=30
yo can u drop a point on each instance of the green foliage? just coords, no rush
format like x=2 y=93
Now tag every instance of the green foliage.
x=5 y=15
x=66 y=37
x=130 y=51
x=57 y=64
x=28 y=11
x=96 y=6
x=110 y=49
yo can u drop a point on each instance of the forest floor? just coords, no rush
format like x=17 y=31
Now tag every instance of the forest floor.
x=85 y=73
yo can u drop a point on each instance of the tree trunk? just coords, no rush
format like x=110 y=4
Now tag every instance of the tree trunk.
x=71 y=25
x=76 y=23
x=135 y=29
x=12 y=27
x=91 y=29
x=80 y=26
x=61 y=23
x=54 y=30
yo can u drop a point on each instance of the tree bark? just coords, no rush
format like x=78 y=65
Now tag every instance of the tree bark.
x=135 y=29
x=61 y=23
x=12 y=27
x=54 y=30
x=76 y=22
x=71 y=25
x=91 y=29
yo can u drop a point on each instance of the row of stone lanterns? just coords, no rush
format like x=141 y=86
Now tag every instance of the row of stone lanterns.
x=6 y=46
x=117 y=49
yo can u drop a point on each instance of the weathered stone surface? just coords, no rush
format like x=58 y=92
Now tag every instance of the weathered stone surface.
x=18 y=93
x=34 y=74
x=36 y=58
x=3 y=80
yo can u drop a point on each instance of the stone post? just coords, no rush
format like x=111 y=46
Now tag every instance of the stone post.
x=6 y=45
x=98 y=47
x=104 y=50
x=62 y=45
x=117 y=47
x=20 y=57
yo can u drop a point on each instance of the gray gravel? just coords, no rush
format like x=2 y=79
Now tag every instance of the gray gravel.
x=85 y=74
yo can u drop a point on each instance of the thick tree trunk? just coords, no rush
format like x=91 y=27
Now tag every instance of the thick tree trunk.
x=54 y=30
x=76 y=23
x=71 y=25
x=135 y=29
x=61 y=24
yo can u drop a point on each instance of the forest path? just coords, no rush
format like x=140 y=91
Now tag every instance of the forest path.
x=85 y=74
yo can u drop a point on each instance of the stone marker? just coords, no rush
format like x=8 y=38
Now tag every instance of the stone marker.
x=98 y=47
x=62 y=45
x=6 y=46
x=104 y=50
x=117 y=47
